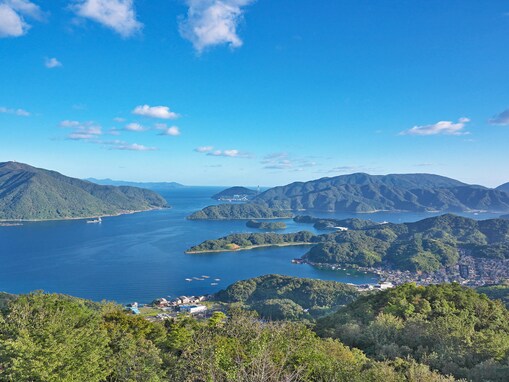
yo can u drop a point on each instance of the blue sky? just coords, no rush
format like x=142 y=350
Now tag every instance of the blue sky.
x=224 y=92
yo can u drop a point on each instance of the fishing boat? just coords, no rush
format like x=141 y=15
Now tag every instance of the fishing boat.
x=96 y=221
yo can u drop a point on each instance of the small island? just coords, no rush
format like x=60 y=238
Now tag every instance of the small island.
x=235 y=194
x=266 y=226
x=239 y=212
x=247 y=241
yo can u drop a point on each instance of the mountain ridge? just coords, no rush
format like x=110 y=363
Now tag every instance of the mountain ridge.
x=362 y=192
x=31 y=193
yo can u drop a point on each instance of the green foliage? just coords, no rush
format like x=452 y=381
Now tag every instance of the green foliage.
x=451 y=328
x=267 y=226
x=52 y=338
x=425 y=246
x=46 y=337
x=239 y=212
x=30 y=193
x=286 y=298
x=248 y=240
x=497 y=292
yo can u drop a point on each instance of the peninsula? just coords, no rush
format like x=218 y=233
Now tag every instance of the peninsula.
x=30 y=193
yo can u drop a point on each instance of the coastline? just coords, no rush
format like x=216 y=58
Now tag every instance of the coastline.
x=247 y=248
x=81 y=217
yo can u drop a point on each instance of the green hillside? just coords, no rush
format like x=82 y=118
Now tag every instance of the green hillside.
x=397 y=192
x=240 y=212
x=30 y=193
x=453 y=329
x=283 y=297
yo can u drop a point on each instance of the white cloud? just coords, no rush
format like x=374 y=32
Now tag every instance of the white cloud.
x=118 y=15
x=501 y=119
x=131 y=147
x=161 y=112
x=82 y=130
x=119 y=119
x=19 y=112
x=229 y=153
x=213 y=22
x=204 y=149
x=51 y=63
x=135 y=127
x=171 y=130
x=13 y=14
x=283 y=161
x=442 y=127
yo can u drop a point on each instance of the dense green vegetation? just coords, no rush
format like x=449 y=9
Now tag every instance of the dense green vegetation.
x=426 y=245
x=279 y=297
x=238 y=193
x=267 y=226
x=451 y=328
x=30 y=193
x=333 y=224
x=53 y=338
x=368 y=193
x=497 y=292
x=239 y=211
x=240 y=241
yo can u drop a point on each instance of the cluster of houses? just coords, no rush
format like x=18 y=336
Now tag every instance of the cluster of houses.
x=178 y=302
x=170 y=308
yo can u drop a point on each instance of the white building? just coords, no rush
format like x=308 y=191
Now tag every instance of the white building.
x=193 y=309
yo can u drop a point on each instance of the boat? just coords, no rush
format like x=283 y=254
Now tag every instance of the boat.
x=96 y=221
x=189 y=279
x=213 y=284
x=217 y=279
x=206 y=277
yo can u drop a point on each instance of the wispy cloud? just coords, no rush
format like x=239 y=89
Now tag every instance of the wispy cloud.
x=233 y=153
x=168 y=130
x=52 y=63
x=213 y=22
x=204 y=149
x=501 y=119
x=439 y=128
x=136 y=127
x=118 y=15
x=131 y=147
x=82 y=131
x=283 y=161
x=161 y=112
x=19 y=112
x=13 y=14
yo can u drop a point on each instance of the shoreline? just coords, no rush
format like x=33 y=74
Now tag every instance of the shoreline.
x=81 y=217
x=247 y=248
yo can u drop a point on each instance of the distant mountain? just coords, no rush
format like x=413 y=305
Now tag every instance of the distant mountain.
x=30 y=193
x=241 y=194
x=370 y=193
x=148 y=185
x=504 y=187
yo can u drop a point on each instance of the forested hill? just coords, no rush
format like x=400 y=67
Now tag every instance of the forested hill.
x=397 y=192
x=504 y=187
x=279 y=297
x=453 y=329
x=30 y=193
x=426 y=245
